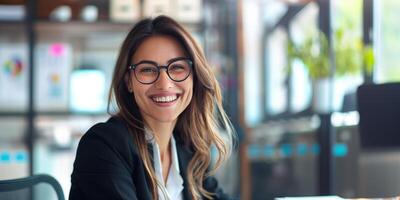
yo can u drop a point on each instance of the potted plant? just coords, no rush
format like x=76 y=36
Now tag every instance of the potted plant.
x=314 y=53
x=350 y=57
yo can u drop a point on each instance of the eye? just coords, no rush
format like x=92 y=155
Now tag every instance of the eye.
x=180 y=66
x=177 y=67
x=147 y=69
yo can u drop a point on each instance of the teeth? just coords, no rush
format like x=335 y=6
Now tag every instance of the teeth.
x=165 y=98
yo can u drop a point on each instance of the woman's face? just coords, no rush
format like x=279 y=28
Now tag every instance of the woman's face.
x=164 y=100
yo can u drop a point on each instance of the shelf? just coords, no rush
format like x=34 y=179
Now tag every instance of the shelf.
x=4 y=114
x=12 y=28
x=4 y=22
x=84 y=28
x=81 y=28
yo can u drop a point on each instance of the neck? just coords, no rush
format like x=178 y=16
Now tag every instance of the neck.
x=162 y=133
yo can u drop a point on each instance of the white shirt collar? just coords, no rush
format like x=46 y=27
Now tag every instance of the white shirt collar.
x=174 y=186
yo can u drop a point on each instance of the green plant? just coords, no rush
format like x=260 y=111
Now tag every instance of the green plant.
x=368 y=59
x=351 y=56
x=314 y=53
x=348 y=54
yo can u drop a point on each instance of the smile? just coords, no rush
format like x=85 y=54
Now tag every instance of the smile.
x=164 y=99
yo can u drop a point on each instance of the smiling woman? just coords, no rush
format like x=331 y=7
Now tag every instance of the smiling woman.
x=157 y=146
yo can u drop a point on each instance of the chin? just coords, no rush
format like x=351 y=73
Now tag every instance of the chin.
x=164 y=119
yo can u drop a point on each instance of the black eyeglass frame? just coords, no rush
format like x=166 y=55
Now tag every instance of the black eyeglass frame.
x=159 y=67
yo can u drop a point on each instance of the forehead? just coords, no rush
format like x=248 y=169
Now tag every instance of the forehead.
x=158 y=48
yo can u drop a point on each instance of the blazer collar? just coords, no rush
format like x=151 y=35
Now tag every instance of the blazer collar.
x=184 y=156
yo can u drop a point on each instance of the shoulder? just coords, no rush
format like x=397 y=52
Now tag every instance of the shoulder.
x=109 y=142
x=114 y=131
x=106 y=163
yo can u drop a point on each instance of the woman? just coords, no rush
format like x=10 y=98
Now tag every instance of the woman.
x=157 y=146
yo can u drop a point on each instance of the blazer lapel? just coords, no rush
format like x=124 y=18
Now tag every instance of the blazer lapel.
x=184 y=156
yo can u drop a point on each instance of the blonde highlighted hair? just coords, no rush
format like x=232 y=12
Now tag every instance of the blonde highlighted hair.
x=199 y=125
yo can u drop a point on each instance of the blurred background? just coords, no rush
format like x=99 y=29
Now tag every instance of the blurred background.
x=312 y=87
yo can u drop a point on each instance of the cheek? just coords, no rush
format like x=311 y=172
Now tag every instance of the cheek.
x=139 y=93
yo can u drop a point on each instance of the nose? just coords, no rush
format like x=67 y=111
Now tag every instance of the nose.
x=163 y=81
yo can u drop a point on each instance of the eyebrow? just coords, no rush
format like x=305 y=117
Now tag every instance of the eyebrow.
x=169 y=61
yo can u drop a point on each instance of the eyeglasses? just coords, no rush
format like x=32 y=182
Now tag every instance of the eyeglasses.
x=147 y=72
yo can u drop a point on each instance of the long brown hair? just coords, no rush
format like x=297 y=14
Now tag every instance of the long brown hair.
x=199 y=124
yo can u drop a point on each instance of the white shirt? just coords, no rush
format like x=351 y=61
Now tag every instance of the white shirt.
x=173 y=189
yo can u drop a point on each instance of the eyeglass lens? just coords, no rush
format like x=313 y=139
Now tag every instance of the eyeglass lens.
x=178 y=70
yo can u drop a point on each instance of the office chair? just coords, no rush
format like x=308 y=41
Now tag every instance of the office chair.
x=17 y=185
x=379 y=109
x=379 y=126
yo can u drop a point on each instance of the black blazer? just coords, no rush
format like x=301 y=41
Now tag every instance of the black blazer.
x=108 y=166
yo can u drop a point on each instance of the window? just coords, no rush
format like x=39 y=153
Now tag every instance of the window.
x=347 y=17
x=302 y=25
x=252 y=29
x=387 y=40
x=276 y=87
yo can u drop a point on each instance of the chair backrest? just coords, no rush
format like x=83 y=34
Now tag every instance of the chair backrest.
x=29 y=182
x=379 y=109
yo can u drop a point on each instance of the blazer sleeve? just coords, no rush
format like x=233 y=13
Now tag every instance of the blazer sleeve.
x=101 y=169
